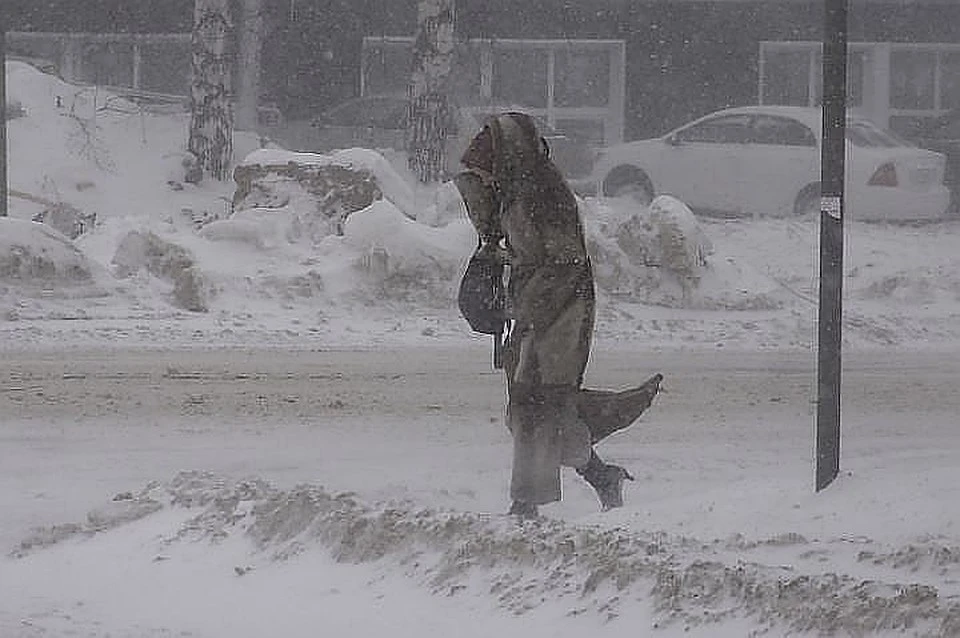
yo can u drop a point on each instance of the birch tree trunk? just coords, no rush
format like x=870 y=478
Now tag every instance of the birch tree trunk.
x=211 y=117
x=430 y=113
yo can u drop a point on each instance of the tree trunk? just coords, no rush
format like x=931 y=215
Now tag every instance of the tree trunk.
x=430 y=110
x=249 y=45
x=211 y=117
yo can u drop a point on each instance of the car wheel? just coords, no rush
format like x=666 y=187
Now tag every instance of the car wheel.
x=629 y=181
x=807 y=203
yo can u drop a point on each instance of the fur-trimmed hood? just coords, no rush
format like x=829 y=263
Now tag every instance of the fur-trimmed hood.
x=511 y=150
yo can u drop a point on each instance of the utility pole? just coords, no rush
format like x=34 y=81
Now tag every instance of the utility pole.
x=3 y=122
x=832 y=171
x=249 y=45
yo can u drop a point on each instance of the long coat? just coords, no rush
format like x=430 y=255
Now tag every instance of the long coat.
x=516 y=195
x=521 y=207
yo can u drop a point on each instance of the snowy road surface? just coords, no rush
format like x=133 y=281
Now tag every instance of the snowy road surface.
x=724 y=473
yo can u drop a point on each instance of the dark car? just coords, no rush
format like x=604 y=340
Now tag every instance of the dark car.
x=379 y=122
x=942 y=134
x=375 y=122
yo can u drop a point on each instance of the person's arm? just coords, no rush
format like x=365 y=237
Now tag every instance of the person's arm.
x=482 y=206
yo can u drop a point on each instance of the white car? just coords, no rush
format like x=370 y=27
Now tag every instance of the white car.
x=765 y=160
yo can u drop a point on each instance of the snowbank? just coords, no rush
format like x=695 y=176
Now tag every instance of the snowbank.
x=664 y=276
x=686 y=584
x=393 y=187
x=32 y=253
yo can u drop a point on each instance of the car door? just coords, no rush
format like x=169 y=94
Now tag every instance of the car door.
x=781 y=158
x=700 y=163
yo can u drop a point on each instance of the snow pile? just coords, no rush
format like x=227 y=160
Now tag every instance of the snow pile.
x=689 y=583
x=273 y=250
x=32 y=253
x=147 y=251
x=318 y=195
x=362 y=161
x=343 y=221
x=39 y=267
x=100 y=153
x=661 y=255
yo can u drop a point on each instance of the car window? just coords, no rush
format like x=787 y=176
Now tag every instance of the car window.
x=727 y=129
x=781 y=131
x=377 y=112
x=867 y=134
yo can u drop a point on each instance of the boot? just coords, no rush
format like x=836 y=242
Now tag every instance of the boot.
x=607 y=480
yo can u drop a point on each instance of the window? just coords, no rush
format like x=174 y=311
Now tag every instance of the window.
x=109 y=63
x=520 y=77
x=162 y=67
x=582 y=77
x=467 y=75
x=949 y=128
x=729 y=129
x=386 y=68
x=950 y=80
x=856 y=68
x=787 y=78
x=912 y=79
x=868 y=134
x=782 y=131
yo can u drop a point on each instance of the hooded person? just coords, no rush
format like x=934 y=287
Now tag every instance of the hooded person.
x=525 y=213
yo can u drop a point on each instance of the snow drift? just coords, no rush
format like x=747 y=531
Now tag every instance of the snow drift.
x=688 y=583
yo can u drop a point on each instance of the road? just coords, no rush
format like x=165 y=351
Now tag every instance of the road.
x=723 y=456
x=405 y=416
x=138 y=415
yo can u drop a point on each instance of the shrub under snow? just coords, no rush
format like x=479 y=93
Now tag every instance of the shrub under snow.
x=33 y=253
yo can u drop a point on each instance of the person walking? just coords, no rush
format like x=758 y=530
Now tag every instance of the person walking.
x=527 y=217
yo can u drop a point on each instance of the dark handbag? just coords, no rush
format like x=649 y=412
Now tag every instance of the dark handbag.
x=481 y=297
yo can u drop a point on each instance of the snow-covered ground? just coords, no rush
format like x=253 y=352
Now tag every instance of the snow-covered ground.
x=322 y=450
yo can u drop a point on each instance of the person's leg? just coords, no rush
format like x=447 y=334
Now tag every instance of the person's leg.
x=560 y=407
x=535 y=474
x=537 y=452
x=544 y=371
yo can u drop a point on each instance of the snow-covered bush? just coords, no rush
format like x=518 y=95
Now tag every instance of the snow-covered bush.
x=165 y=260
x=320 y=190
x=406 y=259
x=33 y=253
x=655 y=254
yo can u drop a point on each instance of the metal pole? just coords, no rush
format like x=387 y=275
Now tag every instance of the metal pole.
x=832 y=170
x=3 y=123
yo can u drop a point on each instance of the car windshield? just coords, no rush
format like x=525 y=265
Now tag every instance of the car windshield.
x=867 y=134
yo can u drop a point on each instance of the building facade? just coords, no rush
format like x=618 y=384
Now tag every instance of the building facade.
x=897 y=84
x=683 y=58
